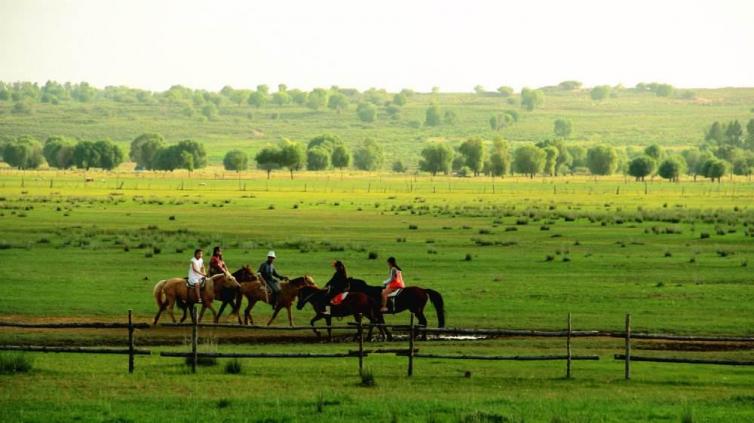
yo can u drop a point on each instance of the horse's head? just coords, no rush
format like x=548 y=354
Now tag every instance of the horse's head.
x=304 y=295
x=244 y=274
x=229 y=281
x=309 y=281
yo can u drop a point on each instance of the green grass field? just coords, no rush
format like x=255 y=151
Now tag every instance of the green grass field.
x=675 y=256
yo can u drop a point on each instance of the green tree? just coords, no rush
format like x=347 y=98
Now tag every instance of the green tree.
x=733 y=135
x=600 y=92
x=210 y=111
x=196 y=151
x=562 y=128
x=551 y=160
x=602 y=160
x=400 y=99
x=341 y=157
x=144 y=148
x=663 y=90
x=236 y=160
x=338 y=102
x=433 y=116
x=317 y=158
x=436 y=158
x=110 y=155
x=366 y=112
x=500 y=158
x=529 y=160
x=450 y=117
x=85 y=156
x=281 y=98
x=292 y=156
x=715 y=169
x=472 y=151
x=641 y=166
x=23 y=153
x=655 y=151
x=317 y=99
x=531 y=99
x=58 y=152
x=570 y=85
x=368 y=156
x=715 y=133
x=505 y=91
x=750 y=135
x=398 y=167
x=258 y=98
x=268 y=159
x=670 y=169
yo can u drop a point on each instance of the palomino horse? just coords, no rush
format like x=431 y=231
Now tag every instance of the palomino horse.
x=411 y=298
x=257 y=291
x=356 y=304
x=169 y=291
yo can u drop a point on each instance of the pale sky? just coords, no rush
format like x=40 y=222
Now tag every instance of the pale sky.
x=387 y=44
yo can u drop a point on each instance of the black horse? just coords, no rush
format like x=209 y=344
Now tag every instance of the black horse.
x=412 y=298
x=355 y=304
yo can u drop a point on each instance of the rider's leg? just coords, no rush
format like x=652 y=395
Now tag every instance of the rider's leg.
x=385 y=293
x=198 y=293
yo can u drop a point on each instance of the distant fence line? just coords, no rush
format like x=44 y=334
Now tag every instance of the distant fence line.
x=411 y=352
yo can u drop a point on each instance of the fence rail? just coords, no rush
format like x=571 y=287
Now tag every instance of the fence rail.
x=411 y=352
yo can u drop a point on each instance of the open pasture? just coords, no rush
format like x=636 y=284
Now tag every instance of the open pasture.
x=522 y=254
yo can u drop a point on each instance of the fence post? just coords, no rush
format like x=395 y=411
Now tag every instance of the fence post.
x=568 y=348
x=361 y=347
x=194 y=357
x=628 y=347
x=411 y=347
x=130 y=342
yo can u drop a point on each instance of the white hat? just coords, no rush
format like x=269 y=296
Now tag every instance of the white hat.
x=271 y=254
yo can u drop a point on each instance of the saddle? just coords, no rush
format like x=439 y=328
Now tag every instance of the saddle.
x=336 y=300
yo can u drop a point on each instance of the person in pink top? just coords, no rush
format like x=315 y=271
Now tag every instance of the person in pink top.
x=393 y=283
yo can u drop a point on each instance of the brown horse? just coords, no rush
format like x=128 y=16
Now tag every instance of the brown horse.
x=249 y=282
x=257 y=291
x=169 y=291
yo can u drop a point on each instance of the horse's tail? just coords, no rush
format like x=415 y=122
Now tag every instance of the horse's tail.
x=159 y=293
x=439 y=305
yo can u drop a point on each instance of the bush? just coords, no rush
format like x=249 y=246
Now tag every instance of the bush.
x=372 y=255
x=468 y=257
x=233 y=367
x=203 y=361
x=14 y=362
x=413 y=227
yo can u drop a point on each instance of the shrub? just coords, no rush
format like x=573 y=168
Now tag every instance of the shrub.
x=704 y=235
x=413 y=227
x=14 y=362
x=468 y=257
x=233 y=367
x=372 y=255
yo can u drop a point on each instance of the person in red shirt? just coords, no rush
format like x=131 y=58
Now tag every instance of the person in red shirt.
x=216 y=263
x=393 y=283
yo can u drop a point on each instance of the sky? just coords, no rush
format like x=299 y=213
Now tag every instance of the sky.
x=454 y=45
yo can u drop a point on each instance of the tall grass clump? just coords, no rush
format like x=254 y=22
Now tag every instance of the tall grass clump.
x=14 y=362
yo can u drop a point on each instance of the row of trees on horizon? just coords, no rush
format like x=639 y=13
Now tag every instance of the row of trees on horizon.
x=727 y=149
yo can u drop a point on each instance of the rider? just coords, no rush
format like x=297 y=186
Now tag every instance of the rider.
x=216 y=263
x=196 y=273
x=269 y=274
x=392 y=283
x=338 y=284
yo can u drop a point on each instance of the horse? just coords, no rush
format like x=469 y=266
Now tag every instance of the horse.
x=169 y=291
x=248 y=281
x=257 y=291
x=411 y=298
x=356 y=304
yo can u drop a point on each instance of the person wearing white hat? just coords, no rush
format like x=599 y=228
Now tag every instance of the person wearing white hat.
x=271 y=276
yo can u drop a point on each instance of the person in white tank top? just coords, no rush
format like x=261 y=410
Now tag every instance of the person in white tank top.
x=196 y=273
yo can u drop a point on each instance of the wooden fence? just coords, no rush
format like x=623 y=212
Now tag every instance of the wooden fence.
x=411 y=352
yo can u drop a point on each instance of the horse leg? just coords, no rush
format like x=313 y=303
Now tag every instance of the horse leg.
x=212 y=309
x=422 y=322
x=328 y=319
x=159 y=312
x=171 y=303
x=201 y=313
x=220 y=312
x=357 y=317
x=314 y=328
x=277 y=310
x=183 y=318
x=290 y=317
x=247 y=319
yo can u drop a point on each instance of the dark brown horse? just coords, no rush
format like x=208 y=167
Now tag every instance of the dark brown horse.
x=355 y=304
x=412 y=298
x=249 y=282
x=257 y=291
